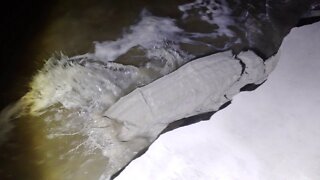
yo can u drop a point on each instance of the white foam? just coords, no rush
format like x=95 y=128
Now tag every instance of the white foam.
x=151 y=34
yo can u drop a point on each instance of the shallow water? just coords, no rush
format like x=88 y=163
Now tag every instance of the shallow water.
x=155 y=38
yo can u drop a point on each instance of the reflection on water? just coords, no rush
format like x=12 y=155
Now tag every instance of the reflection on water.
x=190 y=29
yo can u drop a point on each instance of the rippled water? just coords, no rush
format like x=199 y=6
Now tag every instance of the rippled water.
x=109 y=48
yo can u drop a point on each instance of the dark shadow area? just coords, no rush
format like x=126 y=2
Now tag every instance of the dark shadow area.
x=306 y=21
x=251 y=87
x=21 y=21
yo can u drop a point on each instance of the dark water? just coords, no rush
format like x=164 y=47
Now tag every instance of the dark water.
x=33 y=31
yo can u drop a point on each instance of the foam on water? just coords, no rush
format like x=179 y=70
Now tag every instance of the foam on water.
x=150 y=34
